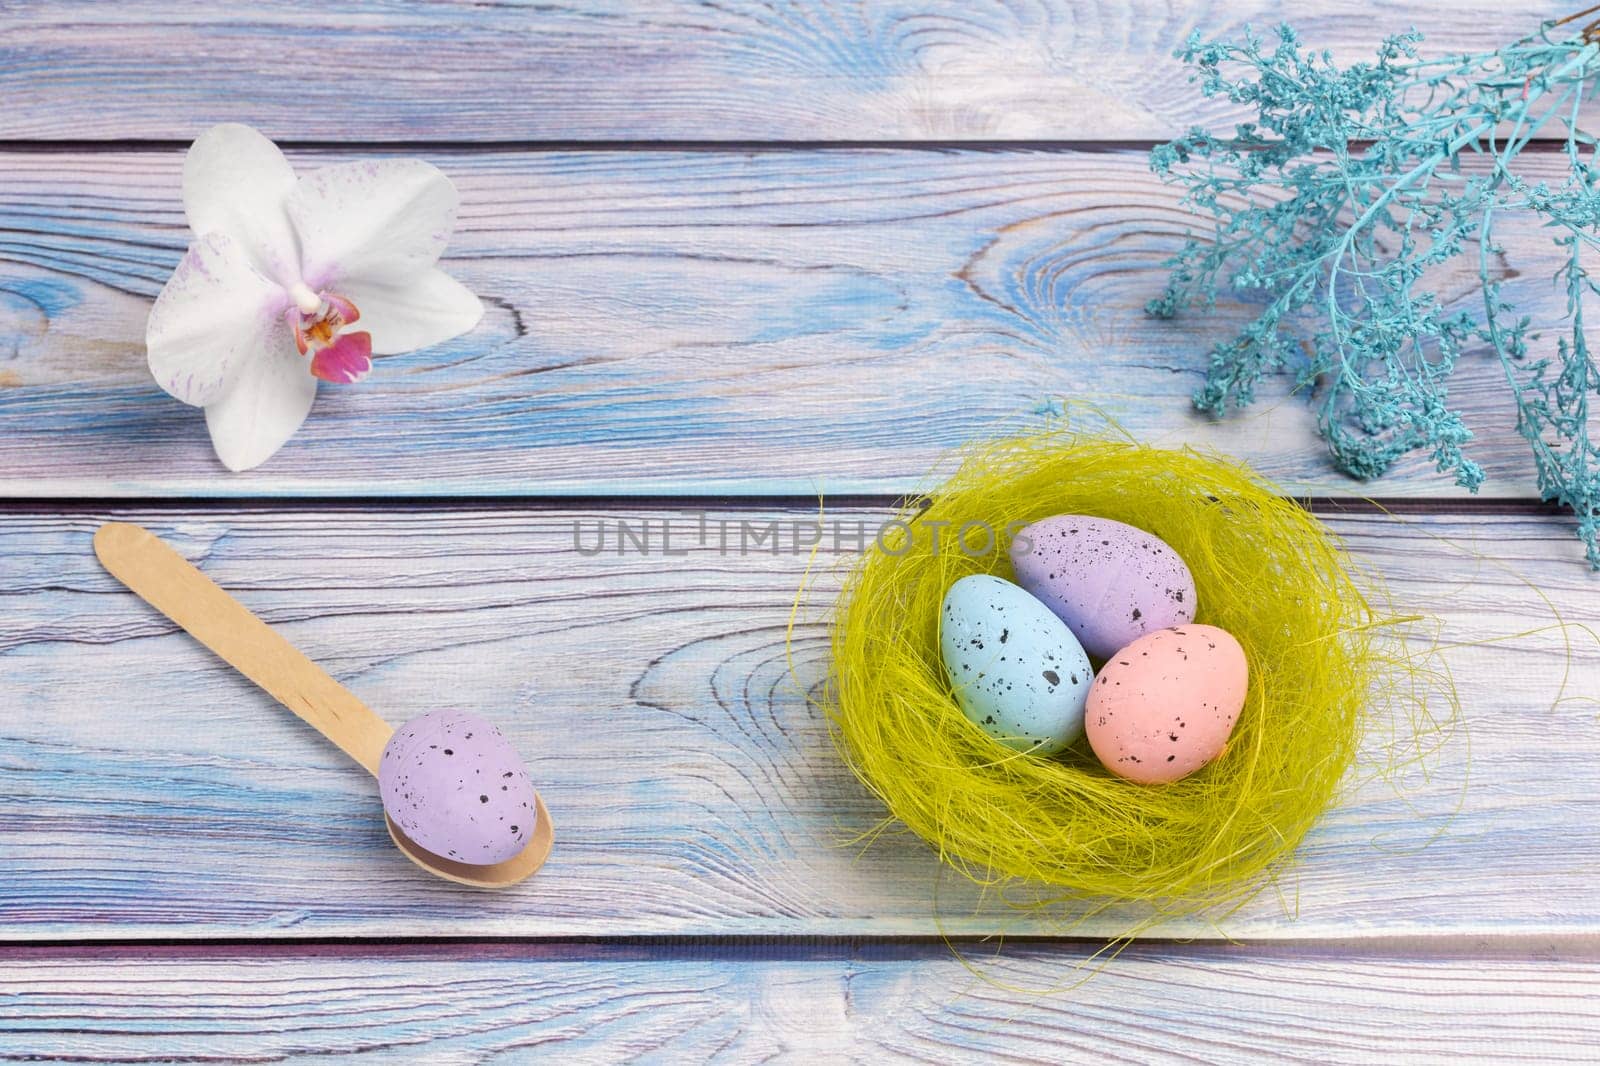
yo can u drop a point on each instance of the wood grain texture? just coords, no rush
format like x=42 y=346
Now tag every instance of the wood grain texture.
x=914 y=1004
x=151 y=791
x=666 y=322
x=695 y=322
x=658 y=69
x=157 y=574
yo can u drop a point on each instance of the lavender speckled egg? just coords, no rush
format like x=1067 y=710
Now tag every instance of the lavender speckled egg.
x=1016 y=671
x=455 y=785
x=1165 y=705
x=1110 y=582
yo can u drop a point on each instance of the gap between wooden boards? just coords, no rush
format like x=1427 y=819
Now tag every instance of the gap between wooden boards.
x=757 y=947
x=69 y=505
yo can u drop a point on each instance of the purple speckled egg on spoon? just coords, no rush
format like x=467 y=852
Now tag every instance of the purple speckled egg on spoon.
x=456 y=786
x=456 y=799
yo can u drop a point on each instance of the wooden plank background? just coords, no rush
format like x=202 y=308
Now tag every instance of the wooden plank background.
x=735 y=256
x=651 y=70
x=689 y=322
x=694 y=788
x=914 y=1003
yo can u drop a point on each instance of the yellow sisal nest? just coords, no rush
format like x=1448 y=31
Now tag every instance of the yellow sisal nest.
x=1265 y=569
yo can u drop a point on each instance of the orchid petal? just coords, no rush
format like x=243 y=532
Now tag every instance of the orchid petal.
x=426 y=310
x=382 y=220
x=236 y=182
x=214 y=314
x=342 y=311
x=345 y=361
x=270 y=398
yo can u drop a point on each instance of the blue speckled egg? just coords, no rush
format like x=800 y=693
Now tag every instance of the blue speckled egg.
x=1017 y=670
x=1110 y=582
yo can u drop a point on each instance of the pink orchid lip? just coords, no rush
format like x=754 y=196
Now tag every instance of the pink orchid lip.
x=346 y=360
x=339 y=357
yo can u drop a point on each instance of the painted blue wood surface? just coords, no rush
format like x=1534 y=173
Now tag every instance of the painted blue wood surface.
x=671 y=322
x=748 y=1003
x=153 y=792
x=347 y=70
x=757 y=320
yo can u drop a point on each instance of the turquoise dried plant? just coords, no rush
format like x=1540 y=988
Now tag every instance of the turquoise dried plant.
x=1349 y=192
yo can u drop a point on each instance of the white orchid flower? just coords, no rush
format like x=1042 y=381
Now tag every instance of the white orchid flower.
x=281 y=267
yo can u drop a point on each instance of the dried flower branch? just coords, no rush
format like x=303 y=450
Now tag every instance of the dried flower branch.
x=1347 y=194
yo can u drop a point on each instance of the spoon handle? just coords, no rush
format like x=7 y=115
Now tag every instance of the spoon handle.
x=167 y=582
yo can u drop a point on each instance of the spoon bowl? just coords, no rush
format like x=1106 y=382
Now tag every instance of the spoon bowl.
x=170 y=584
x=519 y=867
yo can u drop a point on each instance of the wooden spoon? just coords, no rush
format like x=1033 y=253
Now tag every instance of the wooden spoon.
x=167 y=582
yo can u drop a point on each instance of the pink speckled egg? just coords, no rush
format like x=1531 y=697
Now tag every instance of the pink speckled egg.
x=1109 y=581
x=1165 y=705
x=455 y=785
